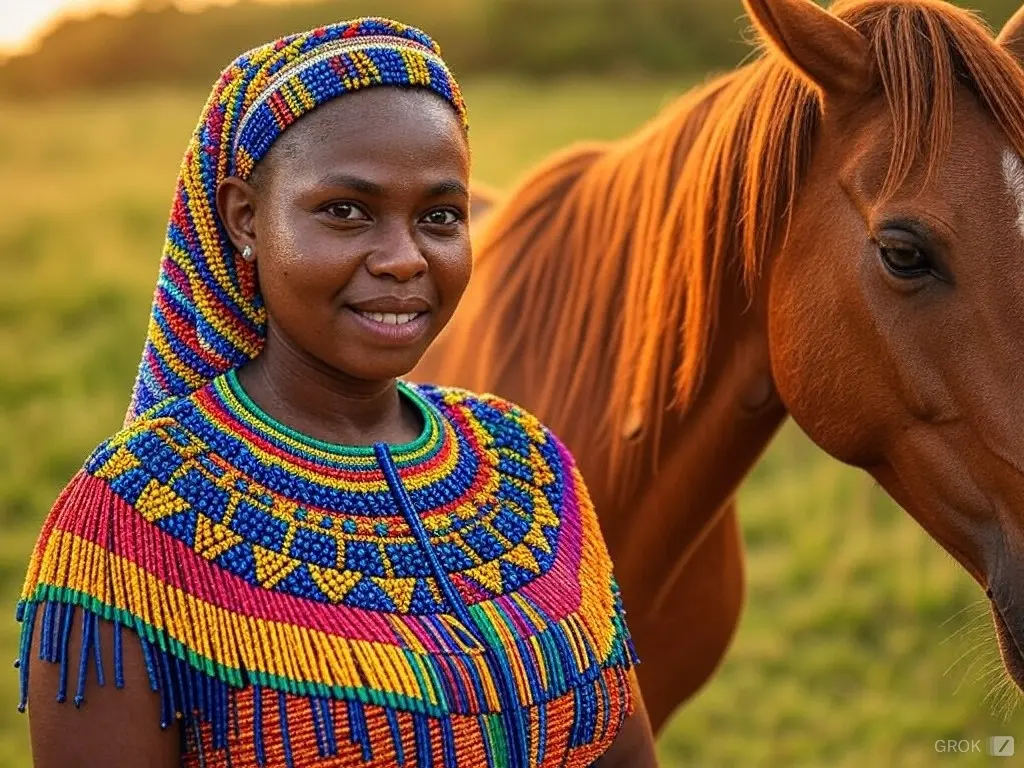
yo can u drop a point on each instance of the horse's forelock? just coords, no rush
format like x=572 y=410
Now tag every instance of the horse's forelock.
x=924 y=50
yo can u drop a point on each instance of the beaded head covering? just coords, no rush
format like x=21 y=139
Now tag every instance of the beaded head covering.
x=207 y=316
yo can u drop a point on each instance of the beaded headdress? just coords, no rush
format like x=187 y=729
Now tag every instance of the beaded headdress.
x=207 y=316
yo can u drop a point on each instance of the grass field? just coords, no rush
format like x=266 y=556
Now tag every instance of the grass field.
x=862 y=642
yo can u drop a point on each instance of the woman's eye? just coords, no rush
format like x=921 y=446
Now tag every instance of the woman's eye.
x=443 y=217
x=347 y=212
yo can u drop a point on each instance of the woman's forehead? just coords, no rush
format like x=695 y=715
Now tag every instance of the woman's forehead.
x=377 y=127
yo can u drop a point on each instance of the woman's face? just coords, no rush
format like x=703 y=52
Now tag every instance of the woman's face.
x=357 y=218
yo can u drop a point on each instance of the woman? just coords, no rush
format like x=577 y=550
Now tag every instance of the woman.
x=287 y=557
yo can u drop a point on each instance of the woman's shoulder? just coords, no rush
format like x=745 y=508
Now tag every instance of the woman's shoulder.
x=148 y=443
x=121 y=477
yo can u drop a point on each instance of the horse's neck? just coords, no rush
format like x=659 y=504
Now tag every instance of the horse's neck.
x=671 y=490
x=702 y=458
x=546 y=278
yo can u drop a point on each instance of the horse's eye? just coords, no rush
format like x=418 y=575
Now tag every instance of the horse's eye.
x=904 y=260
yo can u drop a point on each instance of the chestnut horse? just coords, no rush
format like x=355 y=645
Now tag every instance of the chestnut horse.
x=833 y=232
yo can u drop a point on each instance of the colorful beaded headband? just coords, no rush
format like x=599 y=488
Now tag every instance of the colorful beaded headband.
x=338 y=67
x=207 y=316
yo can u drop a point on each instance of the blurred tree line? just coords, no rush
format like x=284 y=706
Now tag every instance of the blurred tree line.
x=542 y=38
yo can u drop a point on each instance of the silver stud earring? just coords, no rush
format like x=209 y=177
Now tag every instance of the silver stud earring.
x=247 y=254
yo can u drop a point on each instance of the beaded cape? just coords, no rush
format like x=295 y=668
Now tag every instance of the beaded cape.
x=444 y=603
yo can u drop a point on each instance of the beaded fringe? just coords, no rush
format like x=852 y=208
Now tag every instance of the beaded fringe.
x=199 y=658
x=199 y=701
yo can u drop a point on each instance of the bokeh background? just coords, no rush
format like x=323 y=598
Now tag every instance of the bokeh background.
x=862 y=643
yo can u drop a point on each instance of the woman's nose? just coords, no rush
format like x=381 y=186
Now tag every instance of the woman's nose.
x=398 y=256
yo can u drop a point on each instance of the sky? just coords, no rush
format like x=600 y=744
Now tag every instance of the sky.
x=21 y=21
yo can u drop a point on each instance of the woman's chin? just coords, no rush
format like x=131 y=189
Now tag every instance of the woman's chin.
x=379 y=365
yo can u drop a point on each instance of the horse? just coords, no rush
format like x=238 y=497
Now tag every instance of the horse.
x=828 y=232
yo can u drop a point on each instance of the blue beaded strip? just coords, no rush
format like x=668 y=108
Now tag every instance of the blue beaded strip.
x=516 y=732
x=118 y=656
x=27 y=615
x=257 y=725
x=396 y=735
x=67 y=616
x=282 y=710
x=83 y=657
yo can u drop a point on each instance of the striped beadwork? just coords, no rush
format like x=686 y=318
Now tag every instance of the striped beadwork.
x=207 y=316
x=446 y=602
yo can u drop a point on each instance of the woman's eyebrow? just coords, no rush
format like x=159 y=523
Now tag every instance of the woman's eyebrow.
x=352 y=182
x=450 y=187
x=442 y=188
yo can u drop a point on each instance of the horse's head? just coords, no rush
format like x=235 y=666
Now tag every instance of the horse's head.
x=896 y=294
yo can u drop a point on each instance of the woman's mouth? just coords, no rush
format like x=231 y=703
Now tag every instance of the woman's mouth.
x=392 y=328
x=390 y=318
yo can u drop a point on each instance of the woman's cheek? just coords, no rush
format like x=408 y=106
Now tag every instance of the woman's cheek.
x=306 y=258
x=458 y=272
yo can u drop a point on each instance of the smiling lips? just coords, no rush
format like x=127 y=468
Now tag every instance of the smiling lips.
x=392 y=320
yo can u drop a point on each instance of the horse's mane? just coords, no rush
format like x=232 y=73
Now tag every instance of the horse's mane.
x=615 y=255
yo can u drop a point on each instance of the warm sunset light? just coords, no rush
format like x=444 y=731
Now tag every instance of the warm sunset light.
x=22 y=21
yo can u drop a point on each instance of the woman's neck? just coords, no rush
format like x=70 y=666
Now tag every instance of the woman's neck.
x=325 y=404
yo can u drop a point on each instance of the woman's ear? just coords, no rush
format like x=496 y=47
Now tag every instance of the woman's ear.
x=236 y=206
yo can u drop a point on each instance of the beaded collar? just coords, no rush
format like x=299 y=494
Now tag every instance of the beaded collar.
x=250 y=418
x=460 y=577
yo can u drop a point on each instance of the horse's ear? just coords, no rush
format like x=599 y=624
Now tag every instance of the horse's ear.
x=1011 y=37
x=826 y=50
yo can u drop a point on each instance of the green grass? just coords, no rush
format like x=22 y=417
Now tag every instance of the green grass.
x=854 y=615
